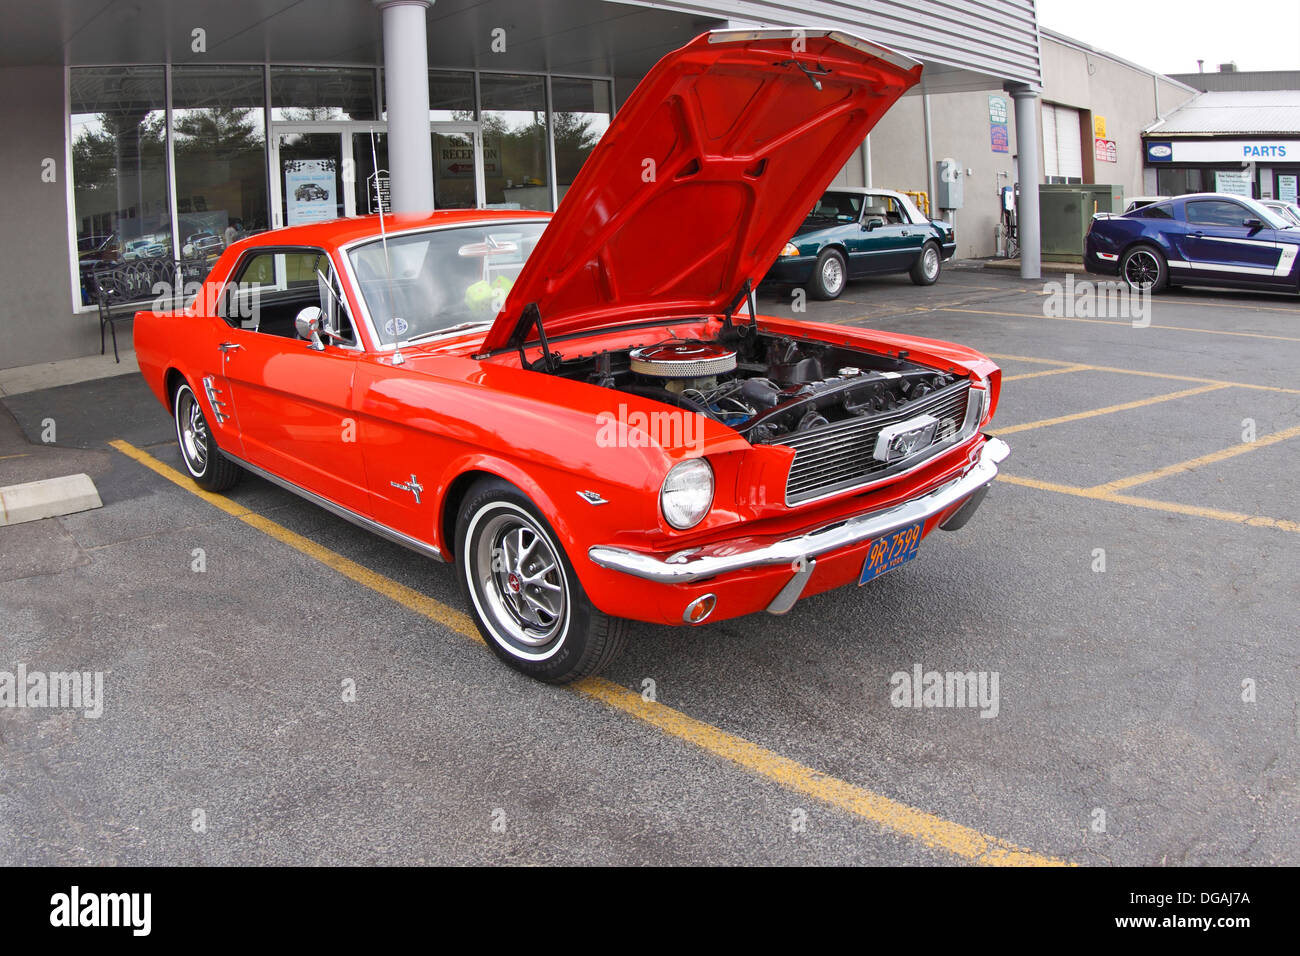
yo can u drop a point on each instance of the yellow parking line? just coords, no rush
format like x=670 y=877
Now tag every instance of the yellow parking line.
x=1195 y=511
x=1109 y=409
x=1143 y=374
x=1050 y=371
x=1213 y=457
x=928 y=829
x=1167 y=328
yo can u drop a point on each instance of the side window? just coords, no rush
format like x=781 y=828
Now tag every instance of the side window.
x=270 y=287
x=1215 y=212
x=1155 y=212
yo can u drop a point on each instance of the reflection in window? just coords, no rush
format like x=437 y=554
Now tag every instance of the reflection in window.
x=312 y=94
x=218 y=126
x=119 y=170
x=514 y=142
x=451 y=97
x=581 y=110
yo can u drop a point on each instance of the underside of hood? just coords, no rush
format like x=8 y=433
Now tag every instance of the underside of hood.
x=704 y=173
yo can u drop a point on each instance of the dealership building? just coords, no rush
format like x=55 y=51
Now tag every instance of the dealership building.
x=139 y=130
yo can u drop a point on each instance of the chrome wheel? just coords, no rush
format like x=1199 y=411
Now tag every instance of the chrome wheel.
x=517 y=581
x=1141 y=270
x=192 y=432
x=930 y=263
x=832 y=275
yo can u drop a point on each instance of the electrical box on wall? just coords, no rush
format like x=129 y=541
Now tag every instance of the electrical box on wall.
x=948 y=184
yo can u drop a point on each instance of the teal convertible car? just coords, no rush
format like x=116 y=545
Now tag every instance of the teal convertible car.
x=854 y=232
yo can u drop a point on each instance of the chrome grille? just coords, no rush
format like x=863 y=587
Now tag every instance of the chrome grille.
x=842 y=455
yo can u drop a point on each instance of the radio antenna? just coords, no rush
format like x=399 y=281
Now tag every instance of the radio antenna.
x=398 y=357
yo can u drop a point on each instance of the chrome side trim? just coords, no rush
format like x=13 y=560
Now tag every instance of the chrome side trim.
x=397 y=537
x=696 y=564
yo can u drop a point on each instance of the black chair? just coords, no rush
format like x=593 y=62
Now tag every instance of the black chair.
x=126 y=285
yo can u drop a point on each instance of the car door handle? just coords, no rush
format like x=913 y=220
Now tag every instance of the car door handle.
x=905 y=232
x=228 y=347
x=1197 y=235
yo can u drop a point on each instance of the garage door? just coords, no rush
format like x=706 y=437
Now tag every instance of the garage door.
x=1062 y=159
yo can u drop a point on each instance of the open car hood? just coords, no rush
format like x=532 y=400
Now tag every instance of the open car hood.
x=703 y=175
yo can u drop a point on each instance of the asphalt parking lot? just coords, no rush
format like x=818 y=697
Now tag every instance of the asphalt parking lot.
x=1131 y=582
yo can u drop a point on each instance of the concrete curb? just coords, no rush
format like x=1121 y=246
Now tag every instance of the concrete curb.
x=47 y=498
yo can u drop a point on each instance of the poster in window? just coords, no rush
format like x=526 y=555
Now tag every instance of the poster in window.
x=1286 y=188
x=1235 y=182
x=309 y=190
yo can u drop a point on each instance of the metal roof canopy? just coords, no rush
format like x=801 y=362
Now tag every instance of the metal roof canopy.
x=965 y=44
x=1240 y=112
x=577 y=36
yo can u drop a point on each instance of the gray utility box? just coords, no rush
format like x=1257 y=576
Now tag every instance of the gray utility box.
x=1064 y=212
x=947 y=184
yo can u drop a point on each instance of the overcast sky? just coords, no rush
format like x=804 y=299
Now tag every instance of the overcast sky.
x=1171 y=35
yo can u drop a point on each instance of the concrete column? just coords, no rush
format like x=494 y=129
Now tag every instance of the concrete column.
x=1031 y=243
x=406 y=94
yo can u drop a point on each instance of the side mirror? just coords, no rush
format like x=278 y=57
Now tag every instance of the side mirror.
x=873 y=223
x=307 y=323
x=1252 y=224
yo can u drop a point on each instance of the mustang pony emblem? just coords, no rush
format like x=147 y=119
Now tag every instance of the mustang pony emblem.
x=413 y=486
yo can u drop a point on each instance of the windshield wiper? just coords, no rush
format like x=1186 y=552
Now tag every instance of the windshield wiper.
x=449 y=329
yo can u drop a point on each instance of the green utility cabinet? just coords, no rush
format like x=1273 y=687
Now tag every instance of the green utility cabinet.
x=1064 y=212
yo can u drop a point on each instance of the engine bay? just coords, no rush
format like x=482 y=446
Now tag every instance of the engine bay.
x=767 y=387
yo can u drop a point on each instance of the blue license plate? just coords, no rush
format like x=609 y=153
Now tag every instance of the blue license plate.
x=890 y=550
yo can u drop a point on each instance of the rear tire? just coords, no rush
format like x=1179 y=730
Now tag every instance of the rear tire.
x=829 y=276
x=210 y=469
x=523 y=593
x=1143 y=268
x=925 y=271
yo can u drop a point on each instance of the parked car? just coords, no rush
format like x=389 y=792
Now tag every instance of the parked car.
x=1288 y=210
x=202 y=244
x=309 y=191
x=584 y=413
x=852 y=233
x=1198 y=239
x=145 y=247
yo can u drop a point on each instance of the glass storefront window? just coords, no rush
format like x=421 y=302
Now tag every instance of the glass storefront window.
x=119 y=168
x=451 y=97
x=319 y=94
x=218 y=130
x=514 y=141
x=581 y=112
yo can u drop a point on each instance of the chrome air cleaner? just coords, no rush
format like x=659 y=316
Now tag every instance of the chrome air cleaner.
x=677 y=360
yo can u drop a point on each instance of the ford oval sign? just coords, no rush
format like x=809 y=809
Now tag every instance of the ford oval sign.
x=1160 y=152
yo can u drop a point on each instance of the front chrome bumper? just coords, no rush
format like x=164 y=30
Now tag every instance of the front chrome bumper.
x=697 y=564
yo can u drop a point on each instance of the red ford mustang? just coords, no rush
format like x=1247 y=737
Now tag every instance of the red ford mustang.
x=583 y=412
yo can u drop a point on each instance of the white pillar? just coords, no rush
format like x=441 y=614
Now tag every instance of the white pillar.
x=1031 y=243
x=406 y=95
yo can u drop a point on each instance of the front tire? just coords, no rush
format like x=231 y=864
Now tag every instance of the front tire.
x=925 y=271
x=522 y=590
x=210 y=469
x=829 y=276
x=1144 y=269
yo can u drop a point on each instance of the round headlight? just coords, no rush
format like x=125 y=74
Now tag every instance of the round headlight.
x=790 y=249
x=687 y=493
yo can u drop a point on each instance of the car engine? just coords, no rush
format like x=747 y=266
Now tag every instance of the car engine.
x=766 y=387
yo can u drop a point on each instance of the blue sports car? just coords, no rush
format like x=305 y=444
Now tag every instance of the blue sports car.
x=1199 y=239
x=854 y=232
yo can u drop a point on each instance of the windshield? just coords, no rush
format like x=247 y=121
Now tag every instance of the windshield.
x=443 y=278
